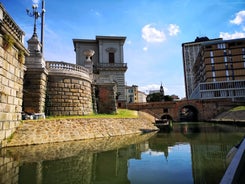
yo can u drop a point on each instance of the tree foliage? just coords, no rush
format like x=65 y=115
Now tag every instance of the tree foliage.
x=157 y=97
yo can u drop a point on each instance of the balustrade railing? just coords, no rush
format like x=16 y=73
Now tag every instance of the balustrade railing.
x=8 y=23
x=112 y=65
x=63 y=66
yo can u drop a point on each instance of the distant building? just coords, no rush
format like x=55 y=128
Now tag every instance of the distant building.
x=104 y=57
x=133 y=95
x=141 y=96
x=219 y=70
x=190 y=51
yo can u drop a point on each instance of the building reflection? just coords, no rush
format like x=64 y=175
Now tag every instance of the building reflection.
x=108 y=161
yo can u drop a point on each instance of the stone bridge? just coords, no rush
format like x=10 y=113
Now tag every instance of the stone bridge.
x=186 y=110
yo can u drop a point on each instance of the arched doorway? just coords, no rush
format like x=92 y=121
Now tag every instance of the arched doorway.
x=188 y=113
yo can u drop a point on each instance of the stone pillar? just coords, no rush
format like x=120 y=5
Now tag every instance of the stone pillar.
x=35 y=79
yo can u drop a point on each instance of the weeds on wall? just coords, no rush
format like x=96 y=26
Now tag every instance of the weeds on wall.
x=8 y=41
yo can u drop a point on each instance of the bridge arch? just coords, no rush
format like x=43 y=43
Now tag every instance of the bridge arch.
x=188 y=113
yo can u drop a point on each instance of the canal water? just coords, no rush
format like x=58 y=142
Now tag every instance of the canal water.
x=185 y=153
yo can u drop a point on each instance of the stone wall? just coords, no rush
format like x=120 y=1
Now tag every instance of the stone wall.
x=68 y=95
x=60 y=130
x=34 y=90
x=12 y=58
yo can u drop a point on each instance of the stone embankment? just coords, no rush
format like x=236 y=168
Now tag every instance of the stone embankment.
x=232 y=117
x=61 y=130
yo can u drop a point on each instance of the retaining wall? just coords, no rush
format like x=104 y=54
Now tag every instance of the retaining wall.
x=60 y=130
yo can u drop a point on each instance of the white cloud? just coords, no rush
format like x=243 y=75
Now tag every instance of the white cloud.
x=151 y=34
x=228 y=36
x=145 y=48
x=173 y=29
x=151 y=87
x=35 y=1
x=240 y=17
x=238 y=20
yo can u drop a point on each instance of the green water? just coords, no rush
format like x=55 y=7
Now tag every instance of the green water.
x=188 y=153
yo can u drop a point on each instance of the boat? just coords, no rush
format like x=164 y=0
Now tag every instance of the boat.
x=163 y=124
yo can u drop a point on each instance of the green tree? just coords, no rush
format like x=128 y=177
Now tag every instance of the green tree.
x=157 y=97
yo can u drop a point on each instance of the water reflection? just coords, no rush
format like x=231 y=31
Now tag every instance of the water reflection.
x=189 y=153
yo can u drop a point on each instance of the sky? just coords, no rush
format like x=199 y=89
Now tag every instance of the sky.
x=154 y=31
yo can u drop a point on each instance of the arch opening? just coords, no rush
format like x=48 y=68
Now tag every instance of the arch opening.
x=188 y=113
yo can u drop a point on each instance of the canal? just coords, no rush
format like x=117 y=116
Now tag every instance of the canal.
x=186 y=153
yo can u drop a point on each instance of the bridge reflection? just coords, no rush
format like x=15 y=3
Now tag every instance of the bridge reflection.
x=103 y=160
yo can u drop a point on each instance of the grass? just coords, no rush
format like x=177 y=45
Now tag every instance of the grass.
x=121 y=113
x=238 y=108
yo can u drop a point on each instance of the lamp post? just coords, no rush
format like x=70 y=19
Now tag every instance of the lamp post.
x=34 y=14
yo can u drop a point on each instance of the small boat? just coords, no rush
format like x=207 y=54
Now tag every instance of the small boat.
x=163 y=124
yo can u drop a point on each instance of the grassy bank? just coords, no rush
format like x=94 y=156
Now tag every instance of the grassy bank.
x=121 y=113
x=238 y=108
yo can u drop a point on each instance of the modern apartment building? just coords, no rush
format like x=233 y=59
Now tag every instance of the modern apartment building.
x=190 y=51
x=219 y=70
x=104 y=57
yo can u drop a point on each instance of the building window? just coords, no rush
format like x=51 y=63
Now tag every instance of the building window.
x=111 y=57
x=243 y=56
x=221 y=46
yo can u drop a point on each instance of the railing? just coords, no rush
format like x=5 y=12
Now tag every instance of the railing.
x=7 y=22
x=112 y=65
x=62 y=66
x=68 y=69
x=223 y=89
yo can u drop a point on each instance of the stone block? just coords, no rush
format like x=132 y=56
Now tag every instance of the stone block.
x=61 y=85
x=2 y=135
x=6 y=125
x=10 y=100
x=75 y=81
x=67 y=81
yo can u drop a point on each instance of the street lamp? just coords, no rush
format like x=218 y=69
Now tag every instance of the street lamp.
x=34 y=14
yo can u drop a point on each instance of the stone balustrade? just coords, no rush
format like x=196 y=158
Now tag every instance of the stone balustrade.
x=57 y=67
x=9 y=25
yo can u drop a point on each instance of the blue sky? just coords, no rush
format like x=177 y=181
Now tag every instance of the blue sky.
x=155 y=30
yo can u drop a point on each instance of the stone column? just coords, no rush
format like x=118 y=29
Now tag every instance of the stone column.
x=35 y=79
